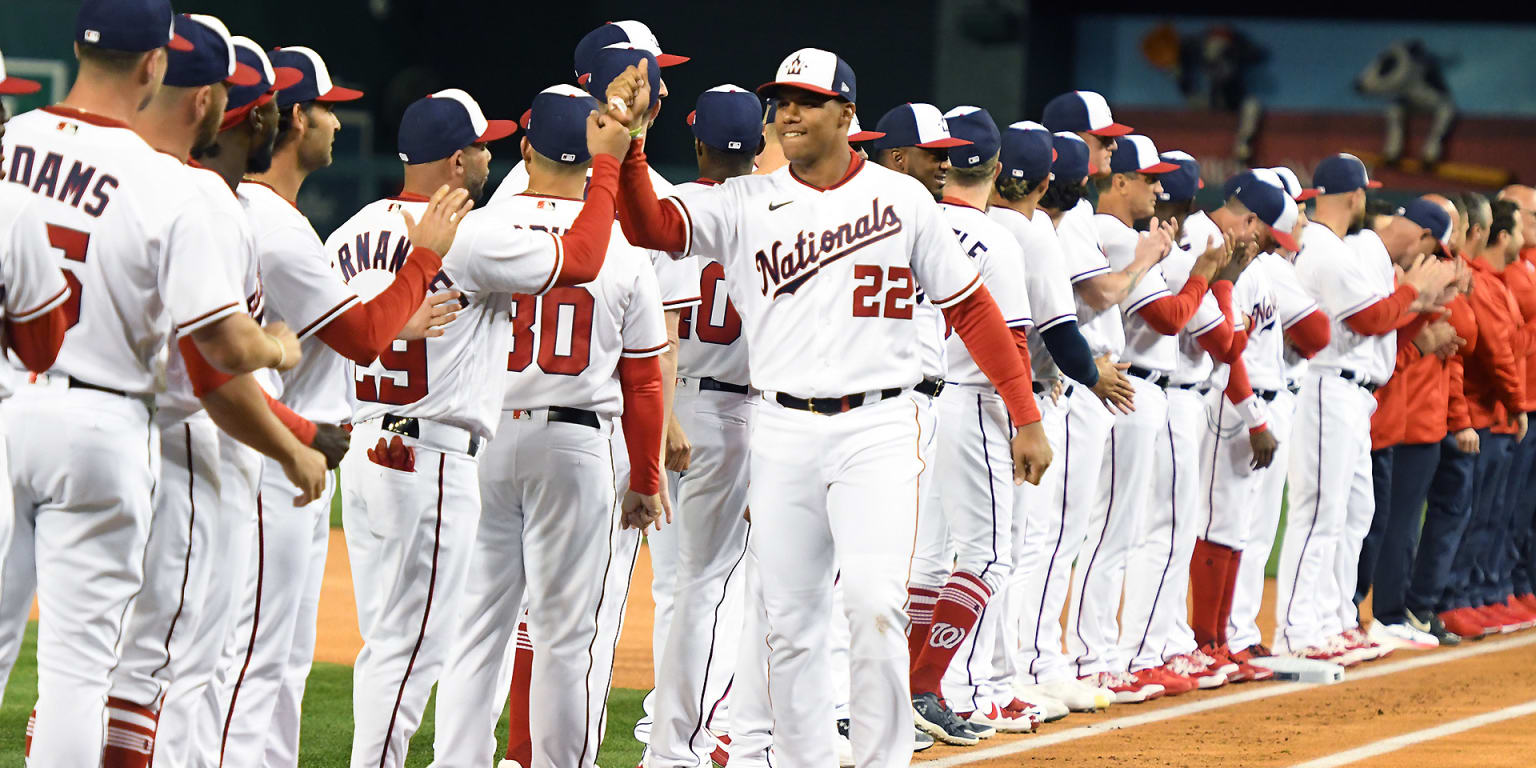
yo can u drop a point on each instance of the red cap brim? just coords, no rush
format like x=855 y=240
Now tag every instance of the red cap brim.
x=1306 y=194
x=287 y=77
x=1113 y=129
x=854 y=138
x=689 y=118
x=1285 y=239
x=179 y=43
x=943 y=143
x=498 y=129
x=245 y=74
x=670 y=59
x=19 y=86
x=1199 y=183
x=1160 y=168
x=338 y=93
x=1373 y=185
x=582 y=79
x=802 y=86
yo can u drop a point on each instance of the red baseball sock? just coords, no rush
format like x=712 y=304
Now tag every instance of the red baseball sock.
x=954 y=616
x=1207 y=579
x=920 y=602
x=1228 y=593
x=130 y=735
x=519 y=740
x=31 y=726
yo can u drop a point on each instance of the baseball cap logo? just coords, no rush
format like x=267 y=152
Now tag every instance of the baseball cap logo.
x=794 y=66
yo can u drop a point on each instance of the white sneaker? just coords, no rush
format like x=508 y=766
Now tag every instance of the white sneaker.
x=1076 y=694
x=1051 y=708
x=1401 y=636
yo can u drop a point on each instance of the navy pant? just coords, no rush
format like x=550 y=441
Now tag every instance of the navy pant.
x=1413 y=469
x=1521 y=499
x=1474 y=572
x=1381 y=488
x=1445 y=523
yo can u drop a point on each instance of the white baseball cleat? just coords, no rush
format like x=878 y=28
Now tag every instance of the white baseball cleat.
x=1401 y=636
x=1076 y=694
x=1051 y=708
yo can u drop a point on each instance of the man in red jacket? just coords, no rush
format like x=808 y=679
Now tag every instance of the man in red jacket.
x=1520 y=277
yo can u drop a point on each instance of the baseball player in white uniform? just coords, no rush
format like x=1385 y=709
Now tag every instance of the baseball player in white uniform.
x=1330 y=470
x=137 y=272
x=813 y=240
x=580 y=356
x=412 y=500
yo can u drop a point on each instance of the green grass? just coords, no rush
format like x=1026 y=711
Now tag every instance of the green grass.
x=326 y=739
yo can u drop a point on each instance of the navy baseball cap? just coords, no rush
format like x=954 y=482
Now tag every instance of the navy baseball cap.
x=1071 y=162
x=814 y=70
x=244 y=98
x=1180 y=184
x=212 y=58
x=1136 y=154
x=915 y=125
x=1083 y=111
x=1270 y=203
x=974 y=125
x=631 y=33
x=436 y=126
x=132 y=26
x=727 y=118
x=1026 y=151
x=557 y=124
x=16 y=86
x=315 y=81
x=856 y=132
x=1339 y=174
x=611 y=62
x=1432 y=217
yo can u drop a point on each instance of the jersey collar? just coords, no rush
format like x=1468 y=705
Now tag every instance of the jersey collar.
x=947 y=200
x=85 y=117
x=274 y=192
x=855 y=164
x=409 y=197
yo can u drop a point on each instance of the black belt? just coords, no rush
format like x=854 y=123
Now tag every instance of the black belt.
x=75 y=383
x=930 y=387
x=1359 y=380
x=1041 y=388
x=1159 y=379
x=1294 y=388
x=1191 y=385
x=410 y=426
x=716 y=385
x=830 y=405
x=1268 y=395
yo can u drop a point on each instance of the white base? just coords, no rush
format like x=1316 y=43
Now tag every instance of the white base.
x=1296 y=670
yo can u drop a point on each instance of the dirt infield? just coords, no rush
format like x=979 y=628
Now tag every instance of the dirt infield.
x=1291 y=724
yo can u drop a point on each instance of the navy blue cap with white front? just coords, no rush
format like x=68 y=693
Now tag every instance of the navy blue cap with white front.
x=272 y=78
x=557 y=124
x=1137 y=154
x=728 y=118
x=436 y=126
x=1082 y=111
x=611 y=62
x=1267 y=200
x=632 y=33
x=975 y=125
x=1341 y=173
x=1181 y=184
x=1026 y=151
x=212 y=58
x=915 y=125
x=814 y=70
x=315 y=85
x=1071 y=157
x=132 y=26
x=1432 y=217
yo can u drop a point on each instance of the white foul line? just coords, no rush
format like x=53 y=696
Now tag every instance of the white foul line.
x=1418 y=737
x=1256 y=693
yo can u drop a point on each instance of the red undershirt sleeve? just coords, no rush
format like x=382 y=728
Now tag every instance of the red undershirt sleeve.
x=980 y=326
x=364 y=331
x=1170 y=314
x=37 y=341
x=1310 y=335
x=206 y=378
x=646 y=221
x=1385 y=315
x=640 y=381
x=585 y=244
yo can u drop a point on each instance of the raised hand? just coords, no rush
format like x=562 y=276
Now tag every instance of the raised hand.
x=628 y=97
x=440 y=221
x=607 y=136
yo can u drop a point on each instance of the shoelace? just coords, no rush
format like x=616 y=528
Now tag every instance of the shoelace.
x=1124 y=679
x=1205 y=658
x=1185 y=666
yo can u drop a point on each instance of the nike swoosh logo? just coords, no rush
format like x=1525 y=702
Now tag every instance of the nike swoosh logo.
x=776 y=206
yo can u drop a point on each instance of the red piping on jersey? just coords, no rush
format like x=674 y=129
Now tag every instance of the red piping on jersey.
x=274 y=191
x=706 y=181
x=409 y=197
x=855 y=164
x=547 y=197
x=85 y=117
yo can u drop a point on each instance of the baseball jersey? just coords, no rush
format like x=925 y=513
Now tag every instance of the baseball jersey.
x=1193 y=363
x=516 y=182
x=998 y=258
x=1374 y=258
x=31 y=284
x=566 y=344
x=1085 y=258
x=132 y=235
x=825 y=280
x=1343 y=283
x=1045 y=280
x=710 y=341
x=1143 y=345
x=452 y=379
